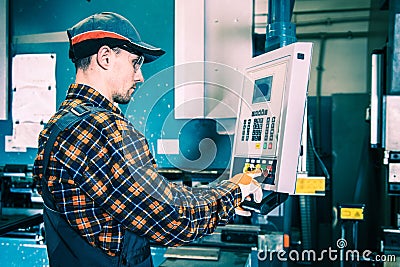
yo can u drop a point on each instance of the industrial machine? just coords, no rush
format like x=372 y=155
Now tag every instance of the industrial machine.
x=384 y=131
x=267 y=145
x=267 y=142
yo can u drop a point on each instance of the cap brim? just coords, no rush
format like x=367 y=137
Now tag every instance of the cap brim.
x=149 y=52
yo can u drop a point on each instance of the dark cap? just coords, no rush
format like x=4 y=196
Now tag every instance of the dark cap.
x=107 y=28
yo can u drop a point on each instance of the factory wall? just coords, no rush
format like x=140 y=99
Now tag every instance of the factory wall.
x=344 y=68
x=152 y=109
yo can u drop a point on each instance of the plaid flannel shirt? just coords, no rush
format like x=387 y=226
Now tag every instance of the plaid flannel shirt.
x=104 y=180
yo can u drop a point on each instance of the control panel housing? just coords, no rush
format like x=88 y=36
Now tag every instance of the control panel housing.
x=271 y=112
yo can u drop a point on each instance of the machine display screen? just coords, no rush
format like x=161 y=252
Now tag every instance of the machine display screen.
x=262 y=90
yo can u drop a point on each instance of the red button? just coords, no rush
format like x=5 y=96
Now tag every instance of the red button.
x=269 y=145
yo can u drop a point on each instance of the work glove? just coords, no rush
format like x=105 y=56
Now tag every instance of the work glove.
x=249 y=187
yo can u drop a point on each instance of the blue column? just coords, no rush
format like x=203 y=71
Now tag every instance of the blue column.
x=280 y=30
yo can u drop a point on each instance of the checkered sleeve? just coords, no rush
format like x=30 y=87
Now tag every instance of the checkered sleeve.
x=125 y=182
x=38 y=163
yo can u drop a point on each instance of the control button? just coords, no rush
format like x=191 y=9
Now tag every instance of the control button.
x=268 y=119
x=265 y=146
x=269 y=145
x=271 y=137
x=272 y=125
x=273 y=119
x=246 y=166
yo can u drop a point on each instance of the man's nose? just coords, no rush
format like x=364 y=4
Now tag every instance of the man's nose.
x=139 y=76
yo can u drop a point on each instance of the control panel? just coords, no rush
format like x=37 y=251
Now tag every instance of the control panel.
x=271 y=110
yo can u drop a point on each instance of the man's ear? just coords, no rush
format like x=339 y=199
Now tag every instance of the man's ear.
x=103 y=57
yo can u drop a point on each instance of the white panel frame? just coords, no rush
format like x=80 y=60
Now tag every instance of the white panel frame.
x=392 y=123
x=3 y=59
x=292 y=108
x=189 y=59
x=228 y=42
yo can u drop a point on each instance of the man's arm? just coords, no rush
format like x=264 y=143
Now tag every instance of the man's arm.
x=135 y=194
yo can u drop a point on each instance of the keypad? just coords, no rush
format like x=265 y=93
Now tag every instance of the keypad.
x=244 y=129
x=257 y=129
x=248 y=129
x=267 y=128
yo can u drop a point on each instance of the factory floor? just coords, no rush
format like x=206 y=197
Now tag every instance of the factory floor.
x=9 y=215
x=28 y=253
x=26 y=250
x=6 y=219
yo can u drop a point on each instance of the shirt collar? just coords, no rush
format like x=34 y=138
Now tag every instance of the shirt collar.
x=89 y=94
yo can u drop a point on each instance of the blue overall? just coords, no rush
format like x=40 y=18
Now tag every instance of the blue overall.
x=65 y=246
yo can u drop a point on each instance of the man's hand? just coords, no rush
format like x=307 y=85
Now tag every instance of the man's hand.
x=249 y=187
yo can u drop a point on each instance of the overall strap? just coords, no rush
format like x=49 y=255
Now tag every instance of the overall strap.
x=76 y=114
x=69 y=119
x=67 y=246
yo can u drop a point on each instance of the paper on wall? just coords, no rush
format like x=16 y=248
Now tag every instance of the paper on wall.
x=34 y=87
x=26 y=134
x=10 y=146
x=33 y=98
x=32 y=104
x=34 y=71
x=168 y=146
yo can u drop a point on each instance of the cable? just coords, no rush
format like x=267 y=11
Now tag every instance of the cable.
x=322 y=165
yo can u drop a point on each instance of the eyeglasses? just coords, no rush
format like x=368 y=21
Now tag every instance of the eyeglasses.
x=137 y=63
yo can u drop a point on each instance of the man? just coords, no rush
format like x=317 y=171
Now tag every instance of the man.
x=103 y=196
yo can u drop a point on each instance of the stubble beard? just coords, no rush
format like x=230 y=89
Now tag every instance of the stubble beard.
x=122 y=99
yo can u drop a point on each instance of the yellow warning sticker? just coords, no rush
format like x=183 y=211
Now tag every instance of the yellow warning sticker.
x=351 y=213
x=310 y=186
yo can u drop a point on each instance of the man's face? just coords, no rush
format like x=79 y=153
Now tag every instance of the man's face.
x=125 y=77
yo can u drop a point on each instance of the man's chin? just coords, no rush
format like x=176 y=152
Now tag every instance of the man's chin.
x=122 y=101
